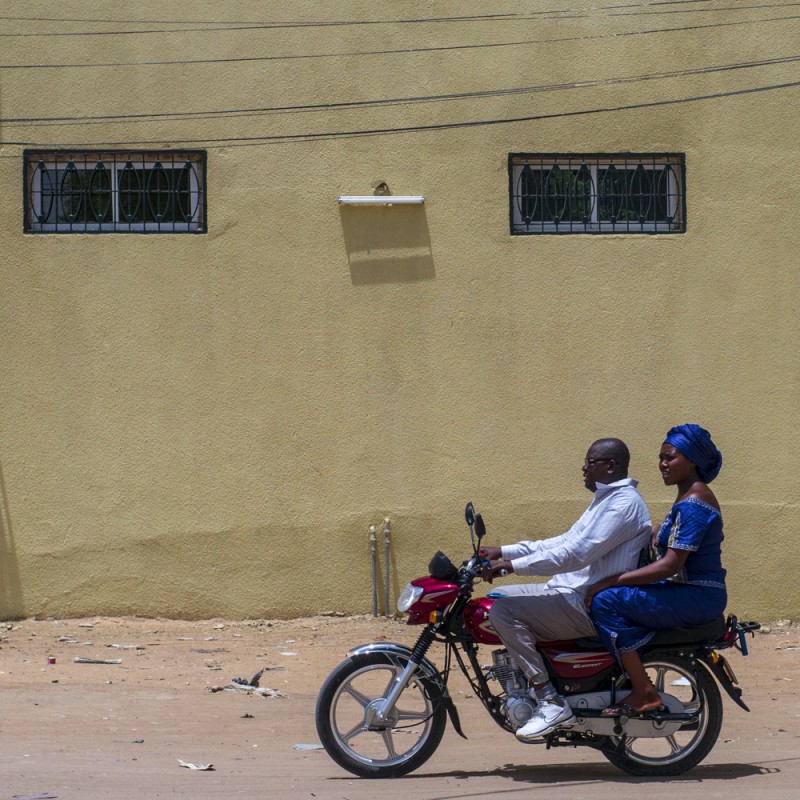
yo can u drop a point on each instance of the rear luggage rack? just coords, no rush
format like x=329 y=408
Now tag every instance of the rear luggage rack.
x=736 y=633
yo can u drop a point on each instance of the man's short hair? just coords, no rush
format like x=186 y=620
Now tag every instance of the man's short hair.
x=616 y=449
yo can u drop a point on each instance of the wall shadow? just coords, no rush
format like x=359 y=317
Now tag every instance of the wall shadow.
x=387 y=244
x=11 y=605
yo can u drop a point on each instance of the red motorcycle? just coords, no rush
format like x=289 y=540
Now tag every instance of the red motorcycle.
x=382 y=712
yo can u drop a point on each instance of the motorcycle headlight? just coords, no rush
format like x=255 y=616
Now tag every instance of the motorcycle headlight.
x=408 y=597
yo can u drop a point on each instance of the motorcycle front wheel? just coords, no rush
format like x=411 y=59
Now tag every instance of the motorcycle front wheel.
x=686 y=747
x=356 y=740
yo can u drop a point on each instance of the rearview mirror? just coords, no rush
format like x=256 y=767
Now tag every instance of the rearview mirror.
x=480 y=528
x=469 y=514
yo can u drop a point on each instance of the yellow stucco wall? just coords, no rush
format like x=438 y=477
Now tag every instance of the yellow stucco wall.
x=208 y=425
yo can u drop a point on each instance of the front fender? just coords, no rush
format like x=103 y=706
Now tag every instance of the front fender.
x=402 y=653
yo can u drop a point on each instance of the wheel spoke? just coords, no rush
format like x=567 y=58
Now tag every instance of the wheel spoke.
x=359 y=697
x=386 y=735
x=659 y=681
x=353 y=732
x=673 y=745
x=693 y=705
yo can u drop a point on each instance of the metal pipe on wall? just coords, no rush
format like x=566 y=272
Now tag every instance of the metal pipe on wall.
x=386 y=565
x=374 y=548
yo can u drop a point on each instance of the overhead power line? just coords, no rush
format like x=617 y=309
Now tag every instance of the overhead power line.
x=737 y=7
x=395 y=51
x=641 y=9
x=256 y=23
x=329 y=135
x=384 y=102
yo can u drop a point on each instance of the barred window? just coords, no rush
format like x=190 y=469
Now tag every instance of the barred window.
x=597 y=193
x=115 y=192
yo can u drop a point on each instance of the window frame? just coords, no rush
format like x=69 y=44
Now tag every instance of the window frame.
x=115 y=164
x=674 y=197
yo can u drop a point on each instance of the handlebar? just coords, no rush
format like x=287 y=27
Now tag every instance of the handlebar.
x=477 y=566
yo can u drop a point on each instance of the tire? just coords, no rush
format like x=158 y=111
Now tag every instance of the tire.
x=687 y=747
x=346 y=702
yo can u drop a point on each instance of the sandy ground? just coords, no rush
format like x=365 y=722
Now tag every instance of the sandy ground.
x=85 y=730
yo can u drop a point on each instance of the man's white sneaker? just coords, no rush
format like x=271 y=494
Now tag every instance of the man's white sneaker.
x=549 y=715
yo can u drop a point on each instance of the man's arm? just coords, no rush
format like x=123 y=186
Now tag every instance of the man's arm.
x=580 y=546
x=525 y=548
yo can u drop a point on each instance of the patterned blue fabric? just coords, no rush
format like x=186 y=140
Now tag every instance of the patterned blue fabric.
x=626 y=617
x=696 y=444
x=695 y=526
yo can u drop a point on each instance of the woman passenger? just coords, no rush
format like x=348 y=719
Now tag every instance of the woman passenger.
x=685 y=585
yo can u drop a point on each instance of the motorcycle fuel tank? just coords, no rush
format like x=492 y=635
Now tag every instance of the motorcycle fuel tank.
x=476 y=618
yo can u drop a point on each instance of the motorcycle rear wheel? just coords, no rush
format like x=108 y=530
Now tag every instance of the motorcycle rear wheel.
x=353 y=739
x=687 y=747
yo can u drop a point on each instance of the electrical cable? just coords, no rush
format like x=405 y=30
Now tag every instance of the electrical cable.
x=378 y=103
x=396 y=51
x=329 y=135
x=276 y=26
x=738 y=7
x=504 y=17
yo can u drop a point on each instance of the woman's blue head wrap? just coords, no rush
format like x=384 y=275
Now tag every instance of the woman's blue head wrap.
x=695 y=443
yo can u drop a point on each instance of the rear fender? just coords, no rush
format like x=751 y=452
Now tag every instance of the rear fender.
x=722 y=671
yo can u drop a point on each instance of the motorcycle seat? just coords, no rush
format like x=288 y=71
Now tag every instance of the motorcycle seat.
x=696 y=634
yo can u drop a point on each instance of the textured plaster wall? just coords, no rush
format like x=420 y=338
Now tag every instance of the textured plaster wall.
x=208 y=425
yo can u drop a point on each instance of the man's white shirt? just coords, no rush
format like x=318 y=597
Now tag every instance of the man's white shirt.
x=606 y=540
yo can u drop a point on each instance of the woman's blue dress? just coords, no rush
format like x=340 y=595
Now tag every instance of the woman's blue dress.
x=626 y=617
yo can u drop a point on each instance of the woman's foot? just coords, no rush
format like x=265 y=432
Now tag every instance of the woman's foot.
x=633 y=704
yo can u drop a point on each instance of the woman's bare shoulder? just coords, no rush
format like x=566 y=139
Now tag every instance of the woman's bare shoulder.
x=700 y=491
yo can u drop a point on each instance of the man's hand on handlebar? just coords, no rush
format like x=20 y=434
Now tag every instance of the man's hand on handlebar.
x=491 y=553
x=497 y=568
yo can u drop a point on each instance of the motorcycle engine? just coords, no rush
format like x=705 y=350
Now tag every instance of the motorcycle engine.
x=519 y=705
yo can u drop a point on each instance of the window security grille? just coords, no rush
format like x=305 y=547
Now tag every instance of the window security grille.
x=597 y=193
x=115 y=192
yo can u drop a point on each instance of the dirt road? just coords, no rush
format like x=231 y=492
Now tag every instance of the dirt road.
x=72 y=729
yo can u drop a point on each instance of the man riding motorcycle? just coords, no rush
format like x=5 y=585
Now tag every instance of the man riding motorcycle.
x=606 y=540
